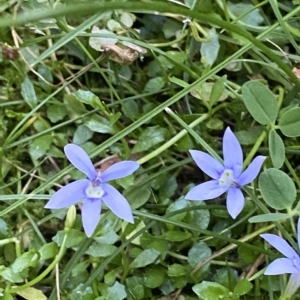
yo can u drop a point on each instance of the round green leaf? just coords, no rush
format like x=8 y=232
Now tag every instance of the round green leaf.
x=276 y=148
x=31 y=293
x=242 y=287
x=209 y=50
x=210 y=290
x=145 y=258
x=277 y=188
x=116 y=292
x=198 y=253
x=289 y=123
x=260 y=102
x=154 y=276
x=176 y=270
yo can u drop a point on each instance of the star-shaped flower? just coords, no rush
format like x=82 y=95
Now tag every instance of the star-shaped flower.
x=93 y=190
x=290 y=264
x=226 y=178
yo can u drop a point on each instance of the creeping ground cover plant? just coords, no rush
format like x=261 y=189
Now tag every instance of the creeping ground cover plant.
x=227 y=177
x=160 y=91
x=93 y=190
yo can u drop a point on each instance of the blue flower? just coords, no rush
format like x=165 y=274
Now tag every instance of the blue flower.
x=93 y=190
x=226 y=178
x=290 y=264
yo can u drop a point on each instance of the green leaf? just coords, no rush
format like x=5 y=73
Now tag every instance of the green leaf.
x=250 y=16
x=46 y=73
x=242 y=287
x=170 y=56
x=137 y=197
x=145 y=258
x=116 y=292
x=179 y=281
x=168 y=188
x=127 y=19
x=177 y=205
x=56 y=112
x=80 y=267
x=209 y=50
x=100 y=250
x=198 y=253
x=10 y=275
x=210 y=290
x=75 y=237
x=276 y=148
x=176 y=236
x=154 y=85
x=107 y=236
x=96 y=42
x=99 y=124
x=149 y=138
x=48 y=251
x=227 y=277
x=277 y=188
x=81 y=293
x=135 y=287
x=28 y=93
x=24 y=261
x=131 y=109
x=31 y=293
x=176 y=270
x=39 y=146
x=217 y=90
x=74 y=107
x=3 y=229
x=7 y=296
x=271 y=217
x=250 y=136
x=199 y=218
x=289 y=123
x=82 y=134
x=260 y=102
x=87 y=97
x=110 y=277
x=170 y=27
x=154 y=277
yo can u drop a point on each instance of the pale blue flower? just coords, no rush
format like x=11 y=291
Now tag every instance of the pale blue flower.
x=290 y=264
x=226 y=178
x=93 y=190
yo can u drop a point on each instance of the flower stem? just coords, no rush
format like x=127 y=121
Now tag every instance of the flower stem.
x=254 y=149
x=58 y=257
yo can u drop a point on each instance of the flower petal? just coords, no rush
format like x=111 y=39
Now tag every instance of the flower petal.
x=298 y=231
x=235 y=202
x=292 y=286
x=232 y=153
x=80 y=160
x=119 y=170
x=68 y=195
x=281 y=266
x=90 y=213
x=205 y=191
x=116 y=202
x=281 y=245
x=207 y=164
x=252 y=171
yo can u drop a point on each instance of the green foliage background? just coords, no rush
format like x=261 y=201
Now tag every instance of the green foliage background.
x=177 y=75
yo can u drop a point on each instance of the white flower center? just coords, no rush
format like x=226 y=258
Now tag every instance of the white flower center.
x=227 y=179
x=94 y=189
